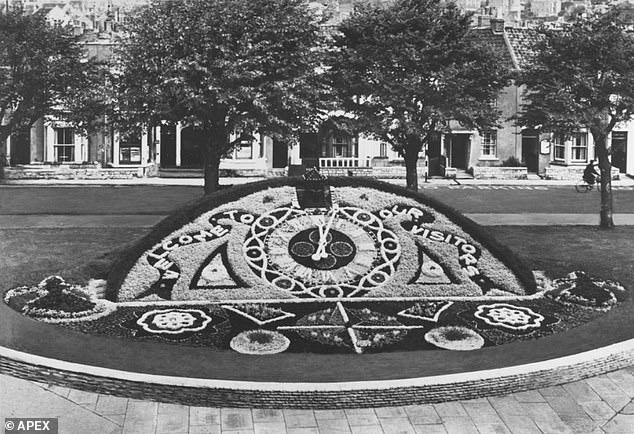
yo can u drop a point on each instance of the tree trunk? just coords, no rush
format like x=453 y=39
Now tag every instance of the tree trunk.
x=4 y=133
x=411 y=170
x=212 y=154
x=212 y=175
x=606 y=220
x=411 y=150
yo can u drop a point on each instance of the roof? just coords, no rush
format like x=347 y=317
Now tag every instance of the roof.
x=495 y=41
x=522 y=42
x=515 y=47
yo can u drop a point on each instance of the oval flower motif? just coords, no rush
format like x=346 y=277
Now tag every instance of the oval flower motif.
x=454 y=338
x=259 y=342
x=509 y=316
x=174 y=321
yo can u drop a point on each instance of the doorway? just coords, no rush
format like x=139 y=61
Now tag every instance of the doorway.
x=459 y=151
x=530 y=150
x=168 y=146
x=309 y=149
x=21 y=147
x=619 y=150
x=280 y=154
x=436 y=159
x=192 y=140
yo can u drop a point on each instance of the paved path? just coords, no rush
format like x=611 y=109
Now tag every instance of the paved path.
x=57 y=221
x=602 y=404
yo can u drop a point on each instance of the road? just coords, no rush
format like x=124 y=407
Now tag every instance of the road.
x=162 y=200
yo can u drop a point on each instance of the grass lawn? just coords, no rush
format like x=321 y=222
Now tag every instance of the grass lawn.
x=30 y=255
x=561 y=249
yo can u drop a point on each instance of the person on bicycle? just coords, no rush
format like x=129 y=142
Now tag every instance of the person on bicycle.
x=590 y=174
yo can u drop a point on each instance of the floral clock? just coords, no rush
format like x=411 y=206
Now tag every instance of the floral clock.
x=317 y=265
x=320 y=262
x=314 y=240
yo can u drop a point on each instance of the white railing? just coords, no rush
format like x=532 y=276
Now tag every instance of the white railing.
x=350 y=162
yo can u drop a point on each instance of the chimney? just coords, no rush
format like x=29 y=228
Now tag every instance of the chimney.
x=484 y=21
x=497 y=25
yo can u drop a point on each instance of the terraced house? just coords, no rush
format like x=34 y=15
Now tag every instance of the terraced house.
x=52 y=146
x=541 y=153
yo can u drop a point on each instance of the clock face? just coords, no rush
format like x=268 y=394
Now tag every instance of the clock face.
x=322 y=252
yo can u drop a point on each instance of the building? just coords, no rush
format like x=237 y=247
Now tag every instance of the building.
x=487 y=153
x=173 y=148
x=545 y=8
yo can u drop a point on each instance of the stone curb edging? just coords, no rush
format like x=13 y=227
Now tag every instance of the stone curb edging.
x=223 y=393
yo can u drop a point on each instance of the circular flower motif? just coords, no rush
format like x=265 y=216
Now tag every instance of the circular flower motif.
x=581 y=289
x=454 y=338
x=174 y=321
x=259 y=342
x=509 y=316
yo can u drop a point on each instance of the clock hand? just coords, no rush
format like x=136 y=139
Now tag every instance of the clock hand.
x=323 y=238
x=317 y=255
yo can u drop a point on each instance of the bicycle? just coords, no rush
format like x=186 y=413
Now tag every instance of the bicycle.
x=583 y=187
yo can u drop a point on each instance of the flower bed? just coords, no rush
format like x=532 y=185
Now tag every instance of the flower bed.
x=365 y=268
x=455 y=338
x=259 y=342
x=320 y=326
x=53 y=300
x=580 y=289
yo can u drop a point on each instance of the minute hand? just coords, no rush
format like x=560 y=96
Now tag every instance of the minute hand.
x=323 y=239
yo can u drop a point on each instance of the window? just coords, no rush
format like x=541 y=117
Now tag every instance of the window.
x=340 y=145
x=560 y=149
x=64 y=146
x=489 y=143
x=383 y=150
x=130 y=149
x=245 y=151
x=579 y=147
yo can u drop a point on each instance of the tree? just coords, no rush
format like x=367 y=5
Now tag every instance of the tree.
x=222 y=66
x=41 y=66
x=406 y=70
x=582 y=77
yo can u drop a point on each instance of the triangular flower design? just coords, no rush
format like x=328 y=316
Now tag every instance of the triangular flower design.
x=428 y=311
x=259 y=313
x=215 y=274
x=431 y=272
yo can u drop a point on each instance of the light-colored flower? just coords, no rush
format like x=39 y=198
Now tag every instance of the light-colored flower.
x=509 y=316
x=454 y=338
x=174 y=321
x=243 y=343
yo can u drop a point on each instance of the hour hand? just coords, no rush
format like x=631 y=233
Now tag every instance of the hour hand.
x=320 y=253
x=323 y=236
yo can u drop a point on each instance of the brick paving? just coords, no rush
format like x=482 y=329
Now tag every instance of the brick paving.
x=602 y=404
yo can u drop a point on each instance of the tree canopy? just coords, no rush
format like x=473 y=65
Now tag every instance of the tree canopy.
x=41 y=66
x=222 y=66
x=582 y=77
x=407 y=70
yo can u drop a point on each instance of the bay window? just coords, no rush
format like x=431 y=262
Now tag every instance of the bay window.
x=560 y=149
x=64 y=145
x=579 y=148
x=130 y=149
